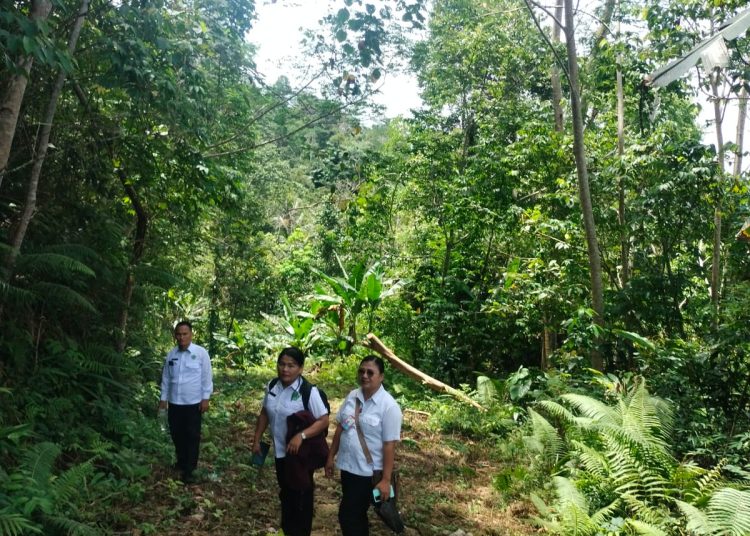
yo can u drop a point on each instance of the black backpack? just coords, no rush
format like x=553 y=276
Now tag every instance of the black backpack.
x=305 y=389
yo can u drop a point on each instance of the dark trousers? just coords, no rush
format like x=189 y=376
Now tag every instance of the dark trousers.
x=296 y=505
x=185 y=429
x=356 y=497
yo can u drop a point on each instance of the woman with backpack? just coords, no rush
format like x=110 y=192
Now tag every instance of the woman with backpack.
x=290 y=398
x=369 y=426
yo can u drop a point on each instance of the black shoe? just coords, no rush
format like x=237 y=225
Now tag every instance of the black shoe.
x=188 y=478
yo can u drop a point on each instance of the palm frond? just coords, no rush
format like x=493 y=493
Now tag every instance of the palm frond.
x=46 y=264
x=71 y=526
x=601 y=515
x=16 y=296
x=546 y=435
x=593 y=408
x=39 y=460
x=711 y=479
x=540 y=505
x=69 y=483
x=14 y=524
x=697 y=520
x=62 y=297
x=561 y=412
x=648 y=416
x=568 y=493
x=158 y=277
x=645 y=529
x=81 y=252
x=592 y=459
x=729 y=511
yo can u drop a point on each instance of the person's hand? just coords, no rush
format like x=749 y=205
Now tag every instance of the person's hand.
x=329 y=467
x=256 y=446
x=204 y=406
x=294 y=444
x=385 y=489
x=162 y=404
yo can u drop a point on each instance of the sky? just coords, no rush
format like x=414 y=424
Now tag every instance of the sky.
x=278 y=31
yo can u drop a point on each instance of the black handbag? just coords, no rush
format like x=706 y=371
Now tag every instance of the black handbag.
x=387 y=509
x=388 y=512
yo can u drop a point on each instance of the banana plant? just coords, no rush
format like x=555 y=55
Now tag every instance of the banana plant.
x=298 y=325
x=360 y=290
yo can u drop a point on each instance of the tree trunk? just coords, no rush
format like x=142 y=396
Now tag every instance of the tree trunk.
x=548 y=345
x=374 y=343
x=741 y=120
x=10 y=105
x=584 y=193
x=138 y=247
x=556 y=84
x=41 y=149
x=716 y=260
x=621 y=216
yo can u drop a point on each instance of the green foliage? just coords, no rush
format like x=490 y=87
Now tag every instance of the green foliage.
x=620 y=472
x=360 y=290
x=41 y=501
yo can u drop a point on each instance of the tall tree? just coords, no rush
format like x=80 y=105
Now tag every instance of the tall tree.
x=584 y=192
x=10 y=104
x=42 y=145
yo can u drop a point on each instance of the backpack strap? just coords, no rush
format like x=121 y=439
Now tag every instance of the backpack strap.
x=305 y=389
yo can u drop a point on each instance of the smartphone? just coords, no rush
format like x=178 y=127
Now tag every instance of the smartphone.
x=376 y=494
x=259 y=459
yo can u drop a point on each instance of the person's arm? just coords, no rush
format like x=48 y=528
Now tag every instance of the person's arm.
x=207 y=383
x=389 y=456
x=311 y=431
x=260 y=426
x=164 y=396
x=333 y=450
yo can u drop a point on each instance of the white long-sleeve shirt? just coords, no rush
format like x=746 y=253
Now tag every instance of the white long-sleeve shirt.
x=187 y=377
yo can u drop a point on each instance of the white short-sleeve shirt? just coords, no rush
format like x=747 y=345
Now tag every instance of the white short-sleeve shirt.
x=187 y=377
x=380 y=419
x=280 y=402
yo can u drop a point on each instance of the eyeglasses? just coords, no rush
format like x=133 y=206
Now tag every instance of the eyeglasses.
x=366 y=372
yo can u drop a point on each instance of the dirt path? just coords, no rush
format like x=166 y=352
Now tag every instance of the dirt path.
x=445 y=487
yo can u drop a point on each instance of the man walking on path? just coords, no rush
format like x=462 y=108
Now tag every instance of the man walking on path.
x=186 y=386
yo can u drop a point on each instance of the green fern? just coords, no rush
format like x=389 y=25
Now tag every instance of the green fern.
x=564 y=414
x=697 y=520
x=645 y=529
x=591 y=459
x=52 y=264
x=79 y=252
x=570 y=515
x=729 y=512
x=14 y=524
x=68 y=485
x=62 y=297
x=38 y=460
x=622 y=450
x=71 y=527
x=16 y=296
x=545 y=437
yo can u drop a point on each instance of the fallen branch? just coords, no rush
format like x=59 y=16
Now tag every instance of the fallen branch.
x=376 y=344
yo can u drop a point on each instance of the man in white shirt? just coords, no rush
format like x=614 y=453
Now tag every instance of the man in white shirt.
x=186 y=386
